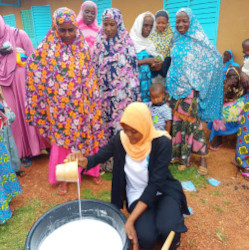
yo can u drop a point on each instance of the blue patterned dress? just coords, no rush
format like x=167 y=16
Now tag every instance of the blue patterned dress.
x=242 y=154
x=9 y=184
x=196 y=65
x=144 y=76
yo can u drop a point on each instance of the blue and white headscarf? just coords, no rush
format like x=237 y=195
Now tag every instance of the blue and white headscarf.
x=229 y=64
x=196 y=64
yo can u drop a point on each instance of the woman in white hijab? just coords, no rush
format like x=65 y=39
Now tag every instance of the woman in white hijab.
x=148 y=58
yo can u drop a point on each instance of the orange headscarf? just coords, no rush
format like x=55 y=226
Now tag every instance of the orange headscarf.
x=138 y=116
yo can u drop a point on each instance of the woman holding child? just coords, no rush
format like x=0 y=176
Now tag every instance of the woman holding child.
x=162 y=39
x=195 y=86
x=234 y=100
x=148 y=57
x=62 y=92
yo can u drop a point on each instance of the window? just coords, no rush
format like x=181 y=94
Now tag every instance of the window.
x=10 y=20
x=36 y=22
x=14 y=3
x=27 y=23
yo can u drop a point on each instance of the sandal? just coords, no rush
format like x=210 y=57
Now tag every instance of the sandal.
x=244 y=172
x=215 y=148
x=26 y=162
x=202 y=170
x=97 y=180
x=20 y=173
x=246 y=176
x=63 y=188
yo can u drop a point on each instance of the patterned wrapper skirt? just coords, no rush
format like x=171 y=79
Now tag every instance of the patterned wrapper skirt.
x=9 y=184
x=187 y=130
x=242 y=154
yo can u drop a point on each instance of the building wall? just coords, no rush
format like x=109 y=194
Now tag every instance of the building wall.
x=132 y=8
x=129 y=10
x=233 y=27
x=26 y=4
x=233 y=24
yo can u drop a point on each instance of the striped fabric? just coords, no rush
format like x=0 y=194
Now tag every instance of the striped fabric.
x=160 y=115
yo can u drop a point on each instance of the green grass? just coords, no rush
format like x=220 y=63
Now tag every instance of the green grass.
x=189 y=174
x=107 y=176
x=203 y=200
x=14 y=231
x=217 y=193
x=104 y=196
x=191 y=244
x=221 y=235
x=87 y=194
x=227 y=202
x=218 y=209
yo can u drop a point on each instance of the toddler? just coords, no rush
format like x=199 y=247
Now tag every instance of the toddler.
x=161 y=113
x=245 y=47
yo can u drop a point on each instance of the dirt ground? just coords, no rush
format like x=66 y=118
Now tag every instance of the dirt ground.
x=221 y=217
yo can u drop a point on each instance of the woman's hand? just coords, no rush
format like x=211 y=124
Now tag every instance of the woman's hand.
x=157 y=65
x=82 y=161
x=151 y=61
x=131 y=232
x=5 y=51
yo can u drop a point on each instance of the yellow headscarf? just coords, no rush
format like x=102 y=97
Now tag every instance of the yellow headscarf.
x=138 y=116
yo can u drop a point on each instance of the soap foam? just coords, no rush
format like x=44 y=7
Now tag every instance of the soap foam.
x=87 y=234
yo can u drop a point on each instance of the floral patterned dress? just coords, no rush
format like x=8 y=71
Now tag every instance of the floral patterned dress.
x=117 y=72
x=62 y=94
x=242 y=154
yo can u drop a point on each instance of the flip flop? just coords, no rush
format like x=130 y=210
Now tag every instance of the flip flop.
x=202 y=170
x=20 y=173
x=215 y=148
x=26 y=162
x=246 y=176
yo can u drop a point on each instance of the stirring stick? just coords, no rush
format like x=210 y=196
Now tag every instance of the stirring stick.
x=168 y=241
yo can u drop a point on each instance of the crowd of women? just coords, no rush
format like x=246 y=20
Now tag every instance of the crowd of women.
x=84 y=84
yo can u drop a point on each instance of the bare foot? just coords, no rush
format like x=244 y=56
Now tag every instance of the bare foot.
x=20 y=173
x=63 y=188
x=12 y=209
x=97 y=180
x=181 y=167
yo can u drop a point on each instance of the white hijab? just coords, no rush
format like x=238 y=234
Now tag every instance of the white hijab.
x=140 y=42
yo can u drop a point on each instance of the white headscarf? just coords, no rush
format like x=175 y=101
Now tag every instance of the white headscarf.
x=140 y=42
